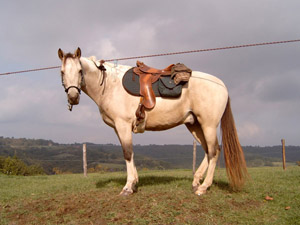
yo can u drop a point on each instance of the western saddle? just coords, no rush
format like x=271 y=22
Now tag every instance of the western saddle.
x=147 y=76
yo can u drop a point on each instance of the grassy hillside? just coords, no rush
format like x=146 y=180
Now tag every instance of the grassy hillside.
x=67 y=158
x=164 y=197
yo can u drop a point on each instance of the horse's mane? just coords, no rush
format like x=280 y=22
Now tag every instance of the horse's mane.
x=106 y=64
x=69 y=55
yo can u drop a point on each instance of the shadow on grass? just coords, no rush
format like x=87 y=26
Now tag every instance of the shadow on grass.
x=143 y=181
x=157 y=180
x=223 y=185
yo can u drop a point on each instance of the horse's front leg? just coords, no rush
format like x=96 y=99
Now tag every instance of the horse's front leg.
x=124 y=133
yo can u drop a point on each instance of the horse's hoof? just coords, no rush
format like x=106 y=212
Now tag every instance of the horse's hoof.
x=195 y=188
x=135 y=188
x=126 y=192
x=200 y=191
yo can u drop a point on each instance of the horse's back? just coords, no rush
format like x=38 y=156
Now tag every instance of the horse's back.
x=207 y=80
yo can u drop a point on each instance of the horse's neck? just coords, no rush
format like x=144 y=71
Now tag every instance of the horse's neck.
x=95 y=87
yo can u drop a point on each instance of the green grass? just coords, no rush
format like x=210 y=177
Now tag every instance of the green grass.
x=164 y=197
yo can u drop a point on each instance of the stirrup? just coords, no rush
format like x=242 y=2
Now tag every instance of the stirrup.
x=139 y=126
x=140 y=119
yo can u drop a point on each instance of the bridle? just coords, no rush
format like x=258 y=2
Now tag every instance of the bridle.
x=78 y=89
x=72 y=86
x=70 y=106
x=82 y=83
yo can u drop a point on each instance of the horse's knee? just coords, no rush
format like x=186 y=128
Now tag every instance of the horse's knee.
x=214 y=153
x=127 y=152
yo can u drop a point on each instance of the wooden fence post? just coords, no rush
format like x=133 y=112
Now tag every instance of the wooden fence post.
x=84 y=160
x=194 y=156
x=283 y=153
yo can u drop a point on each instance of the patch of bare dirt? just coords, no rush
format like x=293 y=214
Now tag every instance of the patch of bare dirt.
x=245 y=205
x=102 y=207
x=83 y=208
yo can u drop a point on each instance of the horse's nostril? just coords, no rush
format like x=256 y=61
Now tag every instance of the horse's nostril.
x=73 y=98
x=72 y=93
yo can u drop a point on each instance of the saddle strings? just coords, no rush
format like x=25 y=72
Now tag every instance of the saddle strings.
x=102 y=68
x=103 y=73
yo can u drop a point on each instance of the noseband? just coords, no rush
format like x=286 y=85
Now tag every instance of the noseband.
x=78 y=89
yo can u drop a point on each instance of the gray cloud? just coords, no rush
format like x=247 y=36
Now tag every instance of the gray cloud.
x=262 y=81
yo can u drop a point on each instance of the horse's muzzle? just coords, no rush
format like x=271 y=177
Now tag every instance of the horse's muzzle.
x=73 y=97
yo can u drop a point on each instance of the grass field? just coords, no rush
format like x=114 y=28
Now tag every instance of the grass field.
x=164 y=197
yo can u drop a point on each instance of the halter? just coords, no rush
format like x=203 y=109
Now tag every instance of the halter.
x=78 y=89
x=70 y=107
x=101 y=68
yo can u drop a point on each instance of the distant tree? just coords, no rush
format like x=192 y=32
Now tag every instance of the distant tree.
x=35 y=170
x=268 y=163
x=15 y=166
x=113 y=156
x=98 y=168
x=2 y=160
x=91 y=170
x=56 y=170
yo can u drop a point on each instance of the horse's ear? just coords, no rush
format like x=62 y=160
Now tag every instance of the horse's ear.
x=78 y=53
x=60 y=54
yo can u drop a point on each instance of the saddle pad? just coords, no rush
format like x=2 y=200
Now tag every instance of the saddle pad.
x=164 y=87
x=167 y=88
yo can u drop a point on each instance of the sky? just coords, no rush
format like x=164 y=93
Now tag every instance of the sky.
x=263 y=82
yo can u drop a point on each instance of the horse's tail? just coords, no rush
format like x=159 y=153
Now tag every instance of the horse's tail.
x=233 y=153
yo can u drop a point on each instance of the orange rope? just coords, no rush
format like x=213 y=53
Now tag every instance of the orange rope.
x=204 y=50
x=31 y=70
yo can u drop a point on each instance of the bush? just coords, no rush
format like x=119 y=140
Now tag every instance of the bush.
x=15 y=166
x=2 y=159
x=56 y=170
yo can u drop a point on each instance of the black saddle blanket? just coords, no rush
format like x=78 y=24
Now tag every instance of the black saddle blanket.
x=164 y=87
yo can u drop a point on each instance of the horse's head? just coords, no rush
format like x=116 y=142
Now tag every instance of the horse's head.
x=71 y=75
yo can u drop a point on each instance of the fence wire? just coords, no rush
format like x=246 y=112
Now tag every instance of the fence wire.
x=165 y=54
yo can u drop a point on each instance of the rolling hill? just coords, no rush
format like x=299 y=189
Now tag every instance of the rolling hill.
x=68 y=157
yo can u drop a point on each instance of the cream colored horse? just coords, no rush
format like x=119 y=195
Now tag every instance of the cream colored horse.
x=203 y=104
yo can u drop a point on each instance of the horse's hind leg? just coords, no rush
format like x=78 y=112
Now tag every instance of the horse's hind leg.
x=197 y=132
x=210 y=134
x=199 y=174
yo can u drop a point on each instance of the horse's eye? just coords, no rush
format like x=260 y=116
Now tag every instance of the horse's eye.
x=62 y=73
x=80 y=71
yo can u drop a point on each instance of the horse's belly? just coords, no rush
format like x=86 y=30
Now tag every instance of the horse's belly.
x=167 y=113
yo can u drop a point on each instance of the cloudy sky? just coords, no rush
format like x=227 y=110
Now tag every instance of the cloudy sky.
x=263 y=82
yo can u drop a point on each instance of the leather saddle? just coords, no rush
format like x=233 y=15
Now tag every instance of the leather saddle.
x=148 y=76
x=143 y=68
x=149 y=83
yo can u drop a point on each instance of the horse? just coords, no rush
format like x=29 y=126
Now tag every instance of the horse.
x=202 y=106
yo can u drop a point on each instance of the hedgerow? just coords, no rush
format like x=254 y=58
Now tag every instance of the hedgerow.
x=15 y=166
